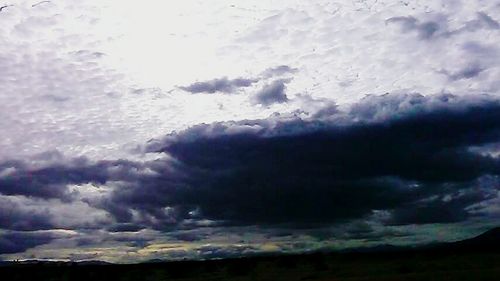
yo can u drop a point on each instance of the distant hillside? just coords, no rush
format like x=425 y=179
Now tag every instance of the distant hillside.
x=488 y=241
x=472 y=259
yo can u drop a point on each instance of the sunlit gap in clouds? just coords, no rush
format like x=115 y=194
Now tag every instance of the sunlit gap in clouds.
x=165 y=44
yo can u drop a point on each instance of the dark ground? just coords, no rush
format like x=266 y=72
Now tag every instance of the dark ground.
x=475 y=259
x=479 y=266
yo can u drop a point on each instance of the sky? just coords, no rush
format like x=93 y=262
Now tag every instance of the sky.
x=141 y=130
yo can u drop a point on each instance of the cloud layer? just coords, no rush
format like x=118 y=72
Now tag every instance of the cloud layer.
x=295 y=126
x=416 y=159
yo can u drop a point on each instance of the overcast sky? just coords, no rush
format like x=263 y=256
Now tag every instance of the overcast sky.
x=137 y=130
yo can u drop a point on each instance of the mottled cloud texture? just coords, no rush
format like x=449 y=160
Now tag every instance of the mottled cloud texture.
x=281 y=128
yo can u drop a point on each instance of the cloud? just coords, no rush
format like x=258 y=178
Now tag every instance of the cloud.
x=272 y=93
x=278 y=71
x=44 y=183
x=333 y=159
x=51 y=180
x=29 y=214
x=59 y=73
x=385 y=153
x=15 y=242
x=489 y=21
x=17 y=217
x=426 y=30
x=226 y=251
x=223 y=85
x=391 y=152
x=447 y=207
x=189 y=236
x=468 y=72
x=125 y=227
x=437 y=26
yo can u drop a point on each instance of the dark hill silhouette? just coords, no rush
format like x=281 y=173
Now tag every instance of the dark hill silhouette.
x=486 y=242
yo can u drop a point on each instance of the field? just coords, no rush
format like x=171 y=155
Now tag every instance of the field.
x=353 y=267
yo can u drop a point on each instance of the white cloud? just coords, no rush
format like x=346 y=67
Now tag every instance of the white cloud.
x=90 y=77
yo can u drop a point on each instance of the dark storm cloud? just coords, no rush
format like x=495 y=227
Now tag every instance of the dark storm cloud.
x=355 y=230
x=450 y=206
x=50 y=181
x=418 y=158
x=425 y=143
x=223 y=85
x=272 y=93
x=18 y=180
x=16 y=242
x=385 y=153
x=440 y=209
x=14 y=217
x=436 y=211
